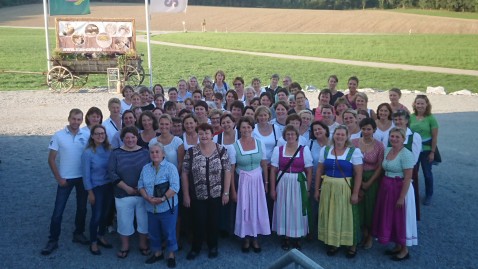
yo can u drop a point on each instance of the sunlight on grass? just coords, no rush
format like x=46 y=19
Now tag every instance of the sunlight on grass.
x=170 y=64
x=453 y=51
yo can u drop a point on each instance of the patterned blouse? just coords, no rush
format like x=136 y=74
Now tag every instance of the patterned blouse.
x=205 y=179
x=373 y=159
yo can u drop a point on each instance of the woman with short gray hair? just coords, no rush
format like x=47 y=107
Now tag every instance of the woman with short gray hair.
x=158 y=185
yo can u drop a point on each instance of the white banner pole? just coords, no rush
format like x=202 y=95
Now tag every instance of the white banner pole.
x=148 y=18
x=47 y=39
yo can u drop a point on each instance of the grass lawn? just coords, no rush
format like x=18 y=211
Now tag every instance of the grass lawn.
x=454 y=51
x=25 y=51
x=439 y=13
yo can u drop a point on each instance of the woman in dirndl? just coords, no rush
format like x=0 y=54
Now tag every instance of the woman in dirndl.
x=389 y=220
x=340 y=166
x=291 y=168
x=413 y=143
x=372 y=150
x=252 y=217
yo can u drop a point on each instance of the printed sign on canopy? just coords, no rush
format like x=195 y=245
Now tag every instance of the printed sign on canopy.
x=95 y=35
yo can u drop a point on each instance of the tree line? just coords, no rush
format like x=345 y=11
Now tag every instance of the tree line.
x=451 y=5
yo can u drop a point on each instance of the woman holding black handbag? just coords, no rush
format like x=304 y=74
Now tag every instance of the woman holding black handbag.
x=340 y=166
x=291 y=176
x=159 y=185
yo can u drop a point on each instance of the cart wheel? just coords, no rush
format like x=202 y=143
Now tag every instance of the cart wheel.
x=81 y=81
x=60 y=79
x=131 y=76
x=141 y=74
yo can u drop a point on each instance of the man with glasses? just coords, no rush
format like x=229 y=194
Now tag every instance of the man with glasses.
x=286 y=81
x=67 y=145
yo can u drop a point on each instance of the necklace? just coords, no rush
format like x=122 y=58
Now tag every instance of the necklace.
x=362 y=140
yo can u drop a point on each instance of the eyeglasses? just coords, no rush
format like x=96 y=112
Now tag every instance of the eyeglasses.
x=237 y=84
x=215 y=119
x=99 y=134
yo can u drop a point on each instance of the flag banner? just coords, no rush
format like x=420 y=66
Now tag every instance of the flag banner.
x=69 y=7
x=168 y=6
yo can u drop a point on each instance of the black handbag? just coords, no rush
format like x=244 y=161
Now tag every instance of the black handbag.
x=160 y=191
x=437 y=155
x=437 y=158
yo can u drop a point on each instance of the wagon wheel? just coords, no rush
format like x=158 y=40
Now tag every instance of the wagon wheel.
x=141 y=74
x=81 y=80
x=60 y=79
x=131 y=76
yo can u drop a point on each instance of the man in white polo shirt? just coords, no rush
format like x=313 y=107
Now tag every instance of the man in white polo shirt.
x=67 y=145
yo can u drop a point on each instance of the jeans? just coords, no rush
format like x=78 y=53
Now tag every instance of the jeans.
x=162 y=227
x=62 y=194
x=427 y=171
x=103 y=202
x=205 y=214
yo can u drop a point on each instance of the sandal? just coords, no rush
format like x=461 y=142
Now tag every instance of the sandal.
x=122 y=254
x=145 y=251
x=351 y=253
x=368 y=245
x=331 y=251
x=296 y=244
x=256 y=247
x=245 y=246
x=285 y=244
x=392 y=252
x=103 y=243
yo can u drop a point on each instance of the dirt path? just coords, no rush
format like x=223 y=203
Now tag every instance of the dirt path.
x=270 y=20
x=407 y=67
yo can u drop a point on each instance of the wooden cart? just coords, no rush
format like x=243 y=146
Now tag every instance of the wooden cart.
x=65 y=74
x=90 y=46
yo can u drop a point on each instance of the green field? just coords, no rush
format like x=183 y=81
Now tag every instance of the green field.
x=439 y=13
x=24 y=49
x=454 y=51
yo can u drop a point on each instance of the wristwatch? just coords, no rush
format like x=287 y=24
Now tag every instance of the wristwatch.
x=163 y=198
x=226 y=194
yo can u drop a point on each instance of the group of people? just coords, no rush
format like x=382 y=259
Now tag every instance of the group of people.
x=215 y=160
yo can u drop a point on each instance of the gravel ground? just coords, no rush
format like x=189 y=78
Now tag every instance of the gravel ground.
x=447 y=232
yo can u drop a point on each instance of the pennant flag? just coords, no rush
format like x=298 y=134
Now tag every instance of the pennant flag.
x=168 y=6
x=69 y=7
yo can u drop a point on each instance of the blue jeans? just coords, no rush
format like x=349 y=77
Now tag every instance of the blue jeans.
x=162 y=227
x=62 y=194
x=103 y=202
x=427 y=171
